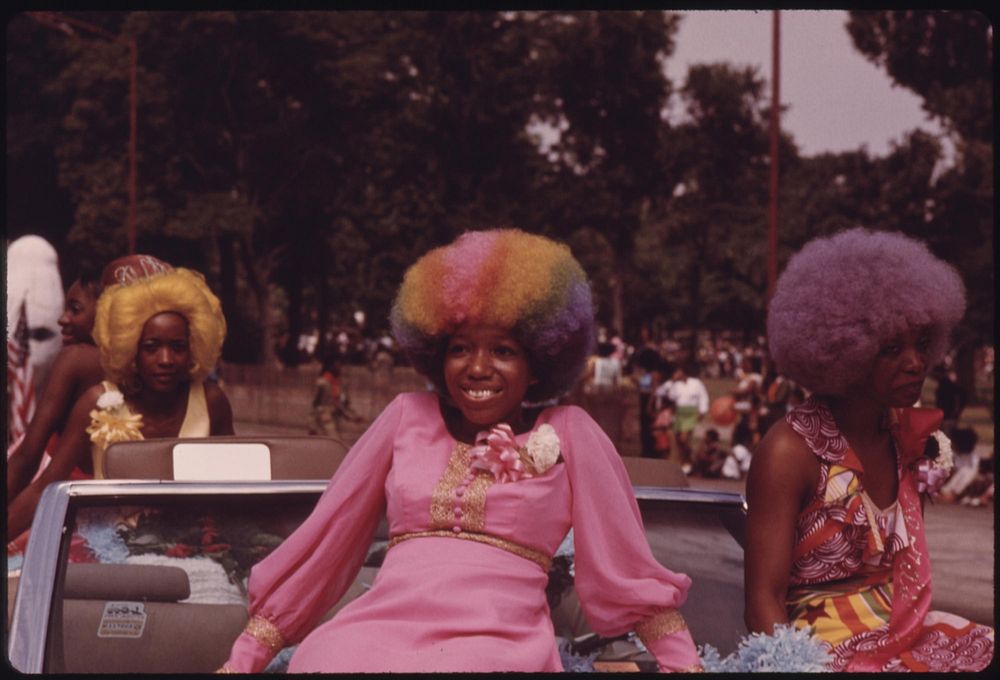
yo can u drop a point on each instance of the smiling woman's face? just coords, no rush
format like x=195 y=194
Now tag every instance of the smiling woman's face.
x=164 y=357
x=77 y=320
x=486 y=373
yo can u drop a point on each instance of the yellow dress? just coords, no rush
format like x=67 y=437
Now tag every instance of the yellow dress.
x=116 y=422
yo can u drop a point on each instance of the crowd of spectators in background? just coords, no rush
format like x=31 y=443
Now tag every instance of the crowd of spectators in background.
x=677 y=421
x=730 y=426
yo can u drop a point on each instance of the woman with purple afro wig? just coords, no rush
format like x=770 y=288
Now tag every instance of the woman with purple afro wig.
x=478 y=490
x=835 y=532
x=840 y=299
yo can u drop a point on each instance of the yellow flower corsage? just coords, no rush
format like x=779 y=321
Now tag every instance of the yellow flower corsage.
x=111 y=421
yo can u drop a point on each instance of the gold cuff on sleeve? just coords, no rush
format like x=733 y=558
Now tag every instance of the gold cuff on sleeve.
x=266 y=633
x=696 y=668
x=663 y=623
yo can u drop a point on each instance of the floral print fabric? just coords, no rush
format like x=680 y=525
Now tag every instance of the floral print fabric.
x=845 y=555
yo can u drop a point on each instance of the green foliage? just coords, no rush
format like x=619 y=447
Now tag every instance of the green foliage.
x=304 y=159
x=945 y=57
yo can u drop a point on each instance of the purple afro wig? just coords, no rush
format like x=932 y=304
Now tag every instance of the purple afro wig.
x=502 y=277
x=843 y=297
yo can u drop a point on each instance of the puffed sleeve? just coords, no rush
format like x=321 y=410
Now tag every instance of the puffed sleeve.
x=309 y=572
x=620 y=584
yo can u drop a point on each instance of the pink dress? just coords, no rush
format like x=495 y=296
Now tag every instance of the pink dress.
x=462 y=587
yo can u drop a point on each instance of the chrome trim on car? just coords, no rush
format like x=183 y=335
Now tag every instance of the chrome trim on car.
x=26 y=648
x=688 y=495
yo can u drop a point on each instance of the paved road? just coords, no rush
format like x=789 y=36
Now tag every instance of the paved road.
x=960 y=539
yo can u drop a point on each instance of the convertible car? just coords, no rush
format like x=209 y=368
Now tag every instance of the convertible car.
x=145 y=572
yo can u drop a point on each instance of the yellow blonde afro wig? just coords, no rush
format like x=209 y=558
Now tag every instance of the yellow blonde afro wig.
x=124 y=308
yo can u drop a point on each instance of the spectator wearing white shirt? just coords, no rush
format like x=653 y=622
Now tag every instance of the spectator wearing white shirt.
x=691 y=399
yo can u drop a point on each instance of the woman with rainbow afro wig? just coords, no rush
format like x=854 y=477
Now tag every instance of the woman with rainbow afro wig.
x=502 y=277
x=835 y=532
x=159 y=331
x=479 y=492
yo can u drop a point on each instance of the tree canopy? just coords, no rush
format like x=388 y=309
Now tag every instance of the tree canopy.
x=304 y=159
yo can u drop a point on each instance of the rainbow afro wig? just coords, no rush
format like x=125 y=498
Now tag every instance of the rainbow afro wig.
x=841 y=298
x=500 y=277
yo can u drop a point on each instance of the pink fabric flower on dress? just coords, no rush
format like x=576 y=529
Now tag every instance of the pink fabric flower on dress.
x=935 y=469
x=497 y=452
x=931 y=478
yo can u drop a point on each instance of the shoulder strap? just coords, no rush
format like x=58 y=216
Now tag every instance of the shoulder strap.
x=196 y=421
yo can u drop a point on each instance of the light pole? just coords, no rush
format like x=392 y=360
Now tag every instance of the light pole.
x=772 y=232
x=67 y=24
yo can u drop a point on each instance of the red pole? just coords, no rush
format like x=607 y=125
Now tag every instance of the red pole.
x=772 y=241
x=132 y=139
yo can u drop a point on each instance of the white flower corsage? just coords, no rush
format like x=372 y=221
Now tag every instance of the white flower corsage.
x=110 y=400
x=111 y=421
x=935 y=467
x=543 y=448
x=945 y=458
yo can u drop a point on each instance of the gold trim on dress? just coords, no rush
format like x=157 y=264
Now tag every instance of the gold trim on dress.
x=472 y=502
x=538 y=557
x=266 y=633
x=658 y=625
x=443 y=497
x=225 y=669
x=696 y=668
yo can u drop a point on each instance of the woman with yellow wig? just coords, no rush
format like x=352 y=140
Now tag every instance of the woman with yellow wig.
x=159 y=331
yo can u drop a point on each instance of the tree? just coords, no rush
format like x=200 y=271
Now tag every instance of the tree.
x=946 y=58
x=711 y=226
x=607 y=92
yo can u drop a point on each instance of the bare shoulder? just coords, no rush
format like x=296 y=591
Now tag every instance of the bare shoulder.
x=92 y=393
x=216 y=400
x=88 y=399
x=784 y=442
x=214 y=393
x=783 y=462
x=84 y=363
x=220 y=411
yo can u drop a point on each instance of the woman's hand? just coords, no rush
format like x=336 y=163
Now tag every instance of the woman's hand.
x=783 y=475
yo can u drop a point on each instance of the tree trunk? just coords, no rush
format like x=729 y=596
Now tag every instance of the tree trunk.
x=290 y=352
x=323 y=313
x=617 y=303
x=965 y=369
x=694 y=309
x=259 y=275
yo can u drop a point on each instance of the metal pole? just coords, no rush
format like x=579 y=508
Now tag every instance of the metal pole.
x=772 y=241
